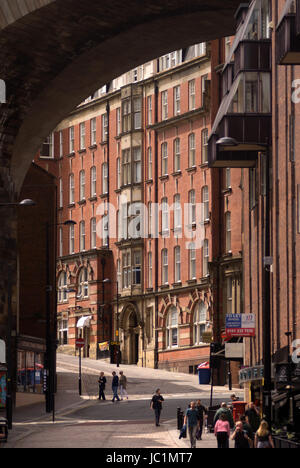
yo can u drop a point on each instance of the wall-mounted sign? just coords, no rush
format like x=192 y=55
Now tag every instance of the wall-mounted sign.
x=234 y=350
x=240 y=325
x=250 y=374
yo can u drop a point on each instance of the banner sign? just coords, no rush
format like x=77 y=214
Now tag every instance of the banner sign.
x=240 y=325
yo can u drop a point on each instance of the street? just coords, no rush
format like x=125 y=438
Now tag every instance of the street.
x=87 y=423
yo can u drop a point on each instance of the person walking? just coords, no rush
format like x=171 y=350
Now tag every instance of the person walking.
x=263 y=437
x=247 y=428
x=222 y=432
x=224 y=410
x=240 y=436
x=102 y=383
x=191 y=420
x=253 y=417
x=202 y=413
x=156 y=405
x=123 y=385
x=115 y=386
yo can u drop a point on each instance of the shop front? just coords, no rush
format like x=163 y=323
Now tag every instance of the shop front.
x=30 y=365
x=252 y=378
x=286 y=406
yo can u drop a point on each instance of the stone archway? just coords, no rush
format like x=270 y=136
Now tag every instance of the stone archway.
x=131 y=336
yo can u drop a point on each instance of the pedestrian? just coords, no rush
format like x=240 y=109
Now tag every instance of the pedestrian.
x=240 y=436
x=228 y=415
x=247 y=428
x=123 y=385
x=115 y=386
x=102 y=383
x=222 y=431
x=202 y=413
x=156 y=405
x=191 y=420
x=253 y=417
x=263 y=437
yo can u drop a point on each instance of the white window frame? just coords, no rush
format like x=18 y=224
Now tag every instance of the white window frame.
x=200 y=321
x=172 y=330
x=82 y=133
x=82 y=185
x=82 y=236
x=93 y=181
x=192 y=95
x=93 y=131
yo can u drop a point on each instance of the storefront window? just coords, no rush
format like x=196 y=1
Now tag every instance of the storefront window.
x=30 y=372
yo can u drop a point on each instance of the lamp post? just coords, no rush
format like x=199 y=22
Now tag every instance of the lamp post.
x=108 y=281
x=9 y=397
x=51 y=332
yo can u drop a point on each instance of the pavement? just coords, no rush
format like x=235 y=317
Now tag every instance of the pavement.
x=84 y=422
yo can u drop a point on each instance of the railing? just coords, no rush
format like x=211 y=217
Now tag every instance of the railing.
x=285 y=443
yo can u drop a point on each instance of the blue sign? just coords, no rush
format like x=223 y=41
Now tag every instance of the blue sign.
x=234 y=321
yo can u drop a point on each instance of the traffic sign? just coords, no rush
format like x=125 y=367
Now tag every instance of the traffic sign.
x=80 y=343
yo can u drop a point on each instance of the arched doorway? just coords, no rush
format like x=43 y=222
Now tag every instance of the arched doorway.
x=131 y=331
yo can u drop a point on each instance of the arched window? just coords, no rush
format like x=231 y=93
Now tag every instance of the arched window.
x=172 y=328
x=82 y=236
x=200 y=318
x=177 y=256
x=82 y=185
x=165 y=266
x=63 y=287
x=177 y=164
x=205 y=202
x=164 y=159
x=93 y=233
x=83 y=283
x=71 y=189
x=192 y=150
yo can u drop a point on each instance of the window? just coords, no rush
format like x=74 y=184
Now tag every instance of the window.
x=170 y=60
x=205 y=257
x=71 y=189
x=126 y=167
x=82 y=185
x=200 y=319
x=204 y=81
x=119 y=274
x=63 y=332
x=204 y=146
x=229 y=295
x=47 y=150
x=126 y=116
x=63 y=287
x=177 y=212
x=228 y=231
x=126 y=260
x=227 y=178
x=93 y=181
x=150 y=164
x=200 y=49
x=253 y=94
x=150 y=270
x=137 y=164
x=61 y=242
x=205 y=202
x=137 y=268
x=72 y=139
x=83 y=283
x=104 y=127
x=137 y=113
x=93 y=233
x=118 y=173
x=192 y=150
x=192 y=207
x=82 y=135
x=165 y=216
x=105 y=231
x=61 y=193
x=172 y=328
x=164 y=159
x=149 y=110
x=164 y=105
x=104 y=178
x=93 y=132
x=124 y=221
x=72 y=239
x=177 y=100
x=177 y=155
x=61 y=144
x=177 y=255
x=165 y=266
x=192 y=261
x=82 y=236
x=192 y=95
x=118 y=121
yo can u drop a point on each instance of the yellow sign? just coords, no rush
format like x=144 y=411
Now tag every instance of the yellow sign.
x=104 y=346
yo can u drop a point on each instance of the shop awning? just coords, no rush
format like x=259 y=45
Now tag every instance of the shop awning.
x=84 y=322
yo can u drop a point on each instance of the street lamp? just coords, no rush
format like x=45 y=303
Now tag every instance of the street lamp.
x=9 y=404
x=51 y=337
x=107 y=281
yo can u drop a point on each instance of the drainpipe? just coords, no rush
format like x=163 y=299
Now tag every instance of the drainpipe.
x=156 y=230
